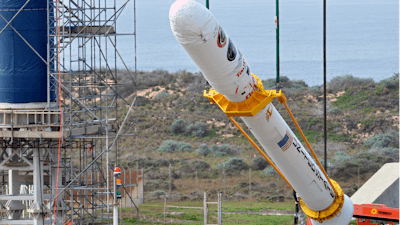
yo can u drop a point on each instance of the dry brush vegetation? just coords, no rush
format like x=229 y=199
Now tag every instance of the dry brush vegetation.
x=178 y=126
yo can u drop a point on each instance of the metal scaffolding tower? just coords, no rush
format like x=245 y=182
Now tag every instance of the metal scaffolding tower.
x=63 y=174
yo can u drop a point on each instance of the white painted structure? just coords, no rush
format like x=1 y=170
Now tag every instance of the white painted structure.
x=227 y=71
x=381 y=188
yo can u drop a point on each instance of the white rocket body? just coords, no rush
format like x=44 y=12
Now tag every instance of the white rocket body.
x=227 y=71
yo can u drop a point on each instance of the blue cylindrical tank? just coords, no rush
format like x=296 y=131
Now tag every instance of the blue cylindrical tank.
x=23 y=75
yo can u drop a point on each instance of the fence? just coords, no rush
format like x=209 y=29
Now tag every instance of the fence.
x=205 y=208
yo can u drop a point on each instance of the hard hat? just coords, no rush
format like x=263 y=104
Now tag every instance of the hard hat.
x=117 y=171
x=118 y=182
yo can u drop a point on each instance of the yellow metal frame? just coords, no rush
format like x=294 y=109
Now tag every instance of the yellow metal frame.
x=250 y=107
x=254 y=104
x=329 y=212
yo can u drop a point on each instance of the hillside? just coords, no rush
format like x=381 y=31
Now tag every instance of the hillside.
x=178 y=126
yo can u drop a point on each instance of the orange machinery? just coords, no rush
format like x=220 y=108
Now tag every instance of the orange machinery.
x=367 y=212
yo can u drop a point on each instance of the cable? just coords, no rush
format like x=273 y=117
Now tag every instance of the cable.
x=259 y=150
x=277 y=47
x=309 y=147
x=61 y=114
x=325 y=135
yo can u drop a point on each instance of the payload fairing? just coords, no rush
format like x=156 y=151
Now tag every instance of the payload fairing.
x=228 y=72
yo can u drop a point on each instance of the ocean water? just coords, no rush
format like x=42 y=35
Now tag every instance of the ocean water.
x=362 y=37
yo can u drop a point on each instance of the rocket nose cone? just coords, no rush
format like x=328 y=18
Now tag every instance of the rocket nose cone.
x=189 y=19
x=176 y=6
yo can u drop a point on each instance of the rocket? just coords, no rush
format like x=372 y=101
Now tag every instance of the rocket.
x=228 y=72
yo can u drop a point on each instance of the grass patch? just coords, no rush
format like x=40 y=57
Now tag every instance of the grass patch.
x=339 y=137
x=311 y=135
x=153 y=212
x=351 y=100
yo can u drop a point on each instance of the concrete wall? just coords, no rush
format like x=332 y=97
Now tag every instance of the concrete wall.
x=390 y=197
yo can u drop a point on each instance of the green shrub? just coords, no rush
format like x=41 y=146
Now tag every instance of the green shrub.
x=186 y=76
x=285 y=82
x=178 y=126
x=298 y=85
x=322 y=161
x=315 y=89
x=200 y=165
x=222 y=150
x=362 y=163
x=158 y=193
x=391 y=82
x=234 y=165
x=184 y=147
x=198 y=129
x=270 y=171
x=380 y=140
x=334 y=111
x=341 y=156
x=162 y=94
x=168 y=146
x=203 y=150
x=219 y=154
x=347 y=81
x=172 y=146
x=214 y=148
x=142 y=101
x=393 y=153
x=259 y=163
x=269 y=84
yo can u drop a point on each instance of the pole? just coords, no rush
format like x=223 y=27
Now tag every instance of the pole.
x=208 y=4
x=205 y=209
x=277 y=182
x=277 y=45
x=142 y=192
x=124 y=184
x=325 y=135
x=115 y=208
x=250 y=183
x=107 y=165
x=165 y=210
x=223 y=174
x=197 y=182
x=130 y=182
x=170 y=186
x=38 y=190
x=296 y=208
x=219 y=209
x=137 y=182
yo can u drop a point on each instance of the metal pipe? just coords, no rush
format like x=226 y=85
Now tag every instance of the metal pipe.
x=325 y=130
x=277 y=45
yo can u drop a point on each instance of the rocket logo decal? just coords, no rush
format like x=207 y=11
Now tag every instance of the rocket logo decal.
x=374 y=211
x=286 y=141
x=202 y=38
x=241 y=71
x=221 y=40
x=269 y=113
x=231 y=54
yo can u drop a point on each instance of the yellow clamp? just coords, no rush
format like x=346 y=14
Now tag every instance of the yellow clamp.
x=251 y=106
x=329 y=212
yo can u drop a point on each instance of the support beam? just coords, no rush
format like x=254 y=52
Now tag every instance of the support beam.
x=14 y=207
x=37 y=208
